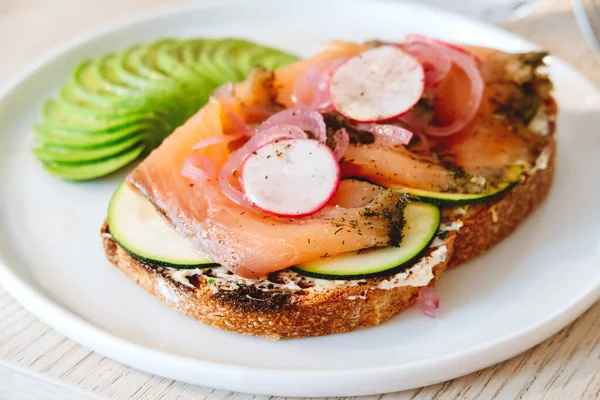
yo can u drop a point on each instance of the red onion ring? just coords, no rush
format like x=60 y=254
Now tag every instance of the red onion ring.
x=209 y=141
x=307 y=120
x=435 y=64
x=428 y=301
x=199 y=168
x=341 y=141
x=465 y=61
x=224 y=92
x=216 y=140
x=467 y=64
x=412 y=119
x=392 y=134
x=311 y=90
x=425 y=148
x=261 y=137
x=417 y=38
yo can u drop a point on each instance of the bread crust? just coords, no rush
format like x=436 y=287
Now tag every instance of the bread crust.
x=314 y=313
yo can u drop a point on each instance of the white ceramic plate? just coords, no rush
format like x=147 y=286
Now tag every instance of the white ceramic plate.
x=527 y=288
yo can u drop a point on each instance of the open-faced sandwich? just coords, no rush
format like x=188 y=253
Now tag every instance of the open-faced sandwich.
x=332 y=193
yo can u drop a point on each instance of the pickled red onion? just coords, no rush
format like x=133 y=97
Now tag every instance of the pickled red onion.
x=224 y=92
x=312 y=88
x=341 y=141
x=387 y=133
x=312 y=121
x=425 y=148
x=307 y=120
x=428 y=301
x=216 y=140
x=417 y=38
x=208 y=142
x=233 y=163
x=416 y=123
x=467 y=64
x=199 y=168
x=435 y=63
x=465 y=61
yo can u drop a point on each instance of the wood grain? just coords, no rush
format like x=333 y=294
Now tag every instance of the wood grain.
x=566 y=366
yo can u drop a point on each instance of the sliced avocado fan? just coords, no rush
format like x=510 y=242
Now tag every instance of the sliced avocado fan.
x=120 y=106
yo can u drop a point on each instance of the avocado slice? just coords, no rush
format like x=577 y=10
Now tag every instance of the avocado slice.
x=57 y=115
x=191 y=55
x=107 y=66
x=50 y=137
x=252 y=58
x=162 y=93
x=69 y=95
x=95 y=94
x=88 y=86
x=95 y=91
x=221 y=60
x=132 y=70
x=150 y=64
x=65 y=154
x=217 y=59
x=170 y=60
x=92 y=170
x=70 y=102
x=272 y=59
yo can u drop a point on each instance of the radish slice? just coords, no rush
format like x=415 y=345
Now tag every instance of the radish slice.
x=377 y=85
x=290 y=177
x=260 y=138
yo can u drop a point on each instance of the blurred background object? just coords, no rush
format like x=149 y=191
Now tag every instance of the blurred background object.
x=495 y=11
x=587 y=13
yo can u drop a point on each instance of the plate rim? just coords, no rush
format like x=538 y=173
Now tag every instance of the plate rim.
x=115 y=347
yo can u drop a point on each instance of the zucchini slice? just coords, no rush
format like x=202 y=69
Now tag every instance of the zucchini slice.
x=422 y=224
x=138 y=227
x=493 y=192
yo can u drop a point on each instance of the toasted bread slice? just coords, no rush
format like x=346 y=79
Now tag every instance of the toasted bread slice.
x=288 y=305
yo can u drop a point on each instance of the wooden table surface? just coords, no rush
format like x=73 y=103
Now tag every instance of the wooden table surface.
x=566 y=366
